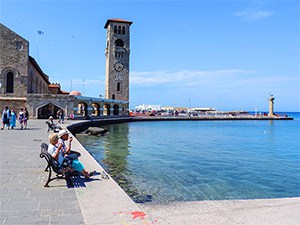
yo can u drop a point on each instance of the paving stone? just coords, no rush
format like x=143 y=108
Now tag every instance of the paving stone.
x=36 y=220
x=23 y=198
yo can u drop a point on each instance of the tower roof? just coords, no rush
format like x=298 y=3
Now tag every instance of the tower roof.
x=117 y=20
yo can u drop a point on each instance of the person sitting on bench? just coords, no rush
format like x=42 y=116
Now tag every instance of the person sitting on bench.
x=57 y=152
x=52 y=125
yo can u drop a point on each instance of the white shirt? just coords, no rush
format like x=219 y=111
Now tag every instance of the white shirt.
x=52 y=149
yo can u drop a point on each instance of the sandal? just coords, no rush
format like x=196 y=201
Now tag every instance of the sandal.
x=90 y=174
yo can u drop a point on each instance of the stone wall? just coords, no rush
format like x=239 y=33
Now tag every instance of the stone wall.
x=36 y=82
x=13 y=58
x=36 y=101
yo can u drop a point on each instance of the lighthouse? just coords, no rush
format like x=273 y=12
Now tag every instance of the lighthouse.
x=271 y=105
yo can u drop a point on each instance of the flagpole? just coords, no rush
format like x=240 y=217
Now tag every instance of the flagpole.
x=39 y=32
x=37 y=47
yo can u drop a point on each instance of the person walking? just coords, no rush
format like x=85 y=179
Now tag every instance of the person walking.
x=13 y=119
x=62 y=117
x=26 y=117
x=21 y=118
x=58 y=115
x=5 y=117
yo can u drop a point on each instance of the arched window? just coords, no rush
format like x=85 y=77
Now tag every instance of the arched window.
x=123 y=30
x=115 y=29
x=118 y=86
x=30 y=88
x=10 y=82
x=119 y=43
x=41 y=87
x=119 y=29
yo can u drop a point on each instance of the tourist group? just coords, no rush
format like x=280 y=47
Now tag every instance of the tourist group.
x=10 y=117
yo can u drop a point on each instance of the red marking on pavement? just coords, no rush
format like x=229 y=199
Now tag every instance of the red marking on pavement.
x=137 y=214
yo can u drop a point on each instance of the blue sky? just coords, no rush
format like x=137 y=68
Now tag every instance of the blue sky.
x=225 y=54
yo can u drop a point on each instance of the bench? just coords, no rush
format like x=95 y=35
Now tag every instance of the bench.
x=62 y=171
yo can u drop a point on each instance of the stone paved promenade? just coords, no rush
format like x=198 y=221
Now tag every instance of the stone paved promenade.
x=24 y=200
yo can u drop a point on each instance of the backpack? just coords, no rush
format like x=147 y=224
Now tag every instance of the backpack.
x=5 y=115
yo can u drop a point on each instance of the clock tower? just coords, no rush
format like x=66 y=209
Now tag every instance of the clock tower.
x=117 y=59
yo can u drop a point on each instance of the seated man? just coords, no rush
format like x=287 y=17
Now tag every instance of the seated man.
x=57 y=152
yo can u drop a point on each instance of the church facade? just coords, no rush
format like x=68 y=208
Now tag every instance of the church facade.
x=24 y=84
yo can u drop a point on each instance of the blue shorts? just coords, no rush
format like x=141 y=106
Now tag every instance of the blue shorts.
x=77 y=165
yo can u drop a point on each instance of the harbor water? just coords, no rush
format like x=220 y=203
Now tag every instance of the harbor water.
x=166 y=161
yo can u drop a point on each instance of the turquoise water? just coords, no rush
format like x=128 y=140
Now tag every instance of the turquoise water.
x=201 y=160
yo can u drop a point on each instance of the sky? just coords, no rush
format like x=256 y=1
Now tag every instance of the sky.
x=229 y=55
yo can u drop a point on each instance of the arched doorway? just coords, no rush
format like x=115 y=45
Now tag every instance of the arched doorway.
x=82 y=109
x=47 y=110
x=95 y=109
x=106 y=111
x=116 y=109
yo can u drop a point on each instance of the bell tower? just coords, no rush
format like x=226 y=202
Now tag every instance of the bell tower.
x=117 y=59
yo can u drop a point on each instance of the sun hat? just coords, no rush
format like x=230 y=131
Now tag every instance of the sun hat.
x=62 y=133
x=50 y=117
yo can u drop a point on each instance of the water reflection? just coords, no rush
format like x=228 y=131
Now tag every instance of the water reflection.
x=116 y=149
x=112 y=153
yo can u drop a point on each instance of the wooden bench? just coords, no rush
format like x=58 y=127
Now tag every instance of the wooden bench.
x=62 y=171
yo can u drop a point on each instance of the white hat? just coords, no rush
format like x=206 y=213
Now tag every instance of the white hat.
x=62 y=133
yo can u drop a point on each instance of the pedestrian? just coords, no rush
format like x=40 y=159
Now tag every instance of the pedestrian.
x=26 y=117
x=13 y=119
x=5 y=118
x=58 y=115
x=62 y=117
x=21 y=118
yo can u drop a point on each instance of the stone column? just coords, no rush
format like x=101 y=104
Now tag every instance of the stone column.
x=271 y=105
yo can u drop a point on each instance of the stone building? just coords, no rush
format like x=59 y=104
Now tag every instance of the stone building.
x=117 y=59
x=24 y=84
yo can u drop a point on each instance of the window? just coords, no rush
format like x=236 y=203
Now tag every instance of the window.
x=113 y=96
x=119 y=54
x=115 y=29
x=119 y=43
x=36 y=85
x=123 y=30
x=10 y=82
x=118 y=86
x=119 y=29
x=31 y=83
x=19 y=46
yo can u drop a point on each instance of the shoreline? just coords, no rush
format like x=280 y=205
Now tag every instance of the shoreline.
x=82 y=125
x=161 y=118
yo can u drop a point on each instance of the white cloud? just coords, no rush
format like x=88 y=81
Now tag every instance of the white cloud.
x=253 y=14
x=184 y=77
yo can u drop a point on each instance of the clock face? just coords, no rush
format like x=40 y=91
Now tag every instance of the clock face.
x=118 y=66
